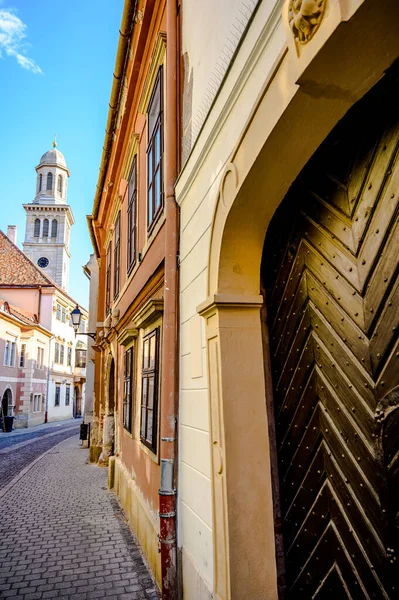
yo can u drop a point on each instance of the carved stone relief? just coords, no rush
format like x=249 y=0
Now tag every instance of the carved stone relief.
x=304 y=17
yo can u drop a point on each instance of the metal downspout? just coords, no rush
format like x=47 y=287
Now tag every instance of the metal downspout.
x=169 y=389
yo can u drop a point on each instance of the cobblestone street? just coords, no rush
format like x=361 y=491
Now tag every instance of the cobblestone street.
x=62 y=533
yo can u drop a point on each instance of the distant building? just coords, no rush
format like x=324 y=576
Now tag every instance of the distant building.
x=24 y=356
x=35 y=283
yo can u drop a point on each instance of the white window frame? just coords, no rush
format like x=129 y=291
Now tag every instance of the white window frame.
x=9 y=353
x=37 y=403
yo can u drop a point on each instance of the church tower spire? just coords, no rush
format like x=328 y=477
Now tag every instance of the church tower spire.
x=49 y=218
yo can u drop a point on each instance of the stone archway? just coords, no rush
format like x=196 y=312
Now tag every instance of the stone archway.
x=6 y=403
x=108 y=440
x=302 y=103
x=330 y=280
x=77 y=402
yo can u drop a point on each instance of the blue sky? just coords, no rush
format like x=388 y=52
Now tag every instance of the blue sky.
x=56 y=65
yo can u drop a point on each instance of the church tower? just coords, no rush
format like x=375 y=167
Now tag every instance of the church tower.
x=49 y=218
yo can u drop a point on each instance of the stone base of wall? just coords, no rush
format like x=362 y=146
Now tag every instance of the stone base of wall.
x=37 y=419
x=143 y=522
x=21 y=422
x=94 y=453
x=194 y=585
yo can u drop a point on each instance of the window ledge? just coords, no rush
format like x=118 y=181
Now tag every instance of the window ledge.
x=148 y=313
x=127 y=336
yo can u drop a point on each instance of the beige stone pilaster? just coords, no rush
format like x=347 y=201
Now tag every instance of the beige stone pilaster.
x=244 y=546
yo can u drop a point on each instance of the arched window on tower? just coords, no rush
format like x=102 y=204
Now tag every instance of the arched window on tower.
x=49 y=181
x=45 y=228
x=40 y=182
x=54 y=228
x=60 y=184
x=36 y=232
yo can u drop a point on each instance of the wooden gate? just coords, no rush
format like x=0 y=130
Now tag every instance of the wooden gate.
x=330 y=275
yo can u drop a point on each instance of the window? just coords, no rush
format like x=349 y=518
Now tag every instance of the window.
x=131 y=216
x=54 y=228
x=57 y=395
x=117 y=254
x=45 y=228
x=59 y=186
x=49 y=181
x=58 y=314
x=63 y=318
x=22 y=356
x=36 y=232
x=80 y=359
x=9 y=354
x=149 y=393
x=69 y=356
x=40 y=182
x=82 y=326
x=155 y=152
x=12 y=354
x=108 y=281
x=128 y=371
x=67 y=395
x=62 y=353
x=40 y=358
x=37 y=402
x=57 y=353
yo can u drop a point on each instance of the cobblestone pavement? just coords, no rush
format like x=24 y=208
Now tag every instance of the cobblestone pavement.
x=63 y=534
x=15 y=459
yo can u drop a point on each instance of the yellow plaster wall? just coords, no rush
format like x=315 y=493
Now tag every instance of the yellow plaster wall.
x=142 y=520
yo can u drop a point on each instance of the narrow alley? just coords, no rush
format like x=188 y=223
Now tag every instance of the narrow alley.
x=62 y=533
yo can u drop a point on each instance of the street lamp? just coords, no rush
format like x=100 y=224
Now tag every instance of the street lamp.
x=76 y=316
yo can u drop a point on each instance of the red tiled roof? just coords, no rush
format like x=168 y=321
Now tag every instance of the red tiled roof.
x=22 y=315
x=18 y=269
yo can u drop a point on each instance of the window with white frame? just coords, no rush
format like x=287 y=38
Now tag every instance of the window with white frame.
x=69 y=356
x=67 y=395
x=40 y=357
x=37 y=403
x=58 y=313
x=62 y=353
x=57 y=396
x=57 y=353
x=9 y=354
x=63 y=316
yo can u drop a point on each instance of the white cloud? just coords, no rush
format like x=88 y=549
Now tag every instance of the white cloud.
x=12 y=40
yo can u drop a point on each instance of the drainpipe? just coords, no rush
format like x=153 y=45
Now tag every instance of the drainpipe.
x=169 y=389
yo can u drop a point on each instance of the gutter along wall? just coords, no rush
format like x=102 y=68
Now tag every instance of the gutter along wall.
x=137 y=300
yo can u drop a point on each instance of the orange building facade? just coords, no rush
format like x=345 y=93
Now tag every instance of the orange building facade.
x=133 y=226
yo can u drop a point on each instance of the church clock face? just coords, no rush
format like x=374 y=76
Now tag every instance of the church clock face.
x=42 y=262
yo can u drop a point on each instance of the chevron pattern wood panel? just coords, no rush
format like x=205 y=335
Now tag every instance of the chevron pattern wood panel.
x=330 y=272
